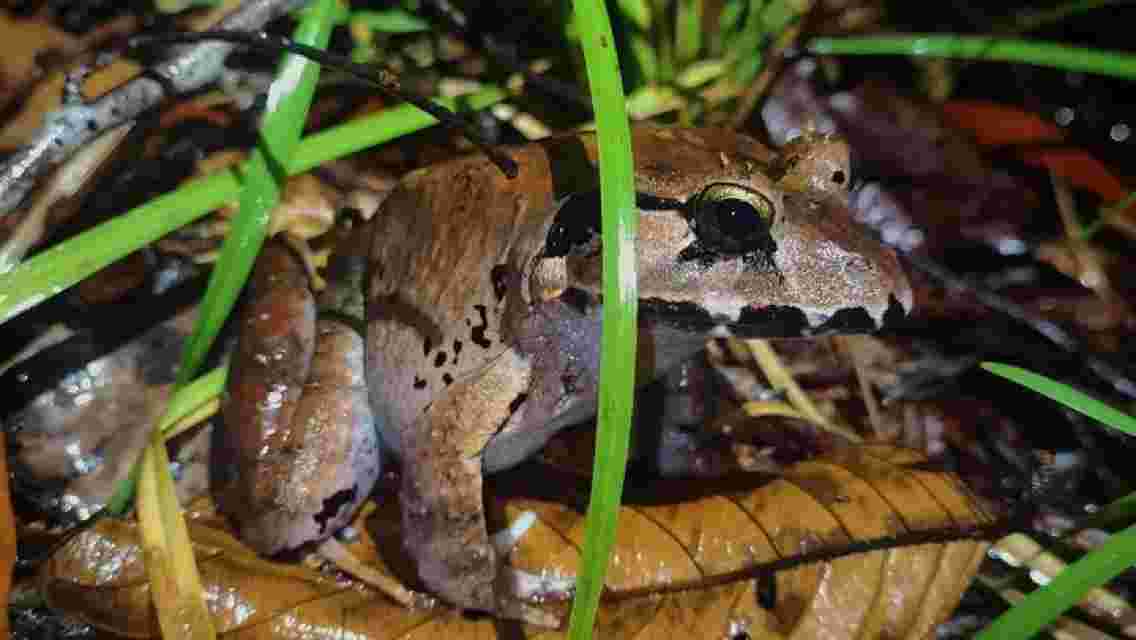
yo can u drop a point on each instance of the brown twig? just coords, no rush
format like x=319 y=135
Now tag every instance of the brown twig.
x=384 y=79
x=72 y=126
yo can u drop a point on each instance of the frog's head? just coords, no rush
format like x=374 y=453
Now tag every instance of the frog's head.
x=732 y=235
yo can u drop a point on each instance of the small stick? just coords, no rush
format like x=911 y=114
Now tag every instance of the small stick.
x=382 y=78
x=332 y=550
x=70 y=127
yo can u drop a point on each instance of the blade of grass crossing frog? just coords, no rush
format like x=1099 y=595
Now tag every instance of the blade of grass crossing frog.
x=1043 y=606
x=1066 y=395
x=288 y=100
x=259 y=191
x=620 y=287
x=177 y=588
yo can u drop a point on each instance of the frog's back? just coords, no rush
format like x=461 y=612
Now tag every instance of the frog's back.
x=447 y=244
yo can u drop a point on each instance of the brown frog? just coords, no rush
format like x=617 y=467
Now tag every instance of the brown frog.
x=482 y=323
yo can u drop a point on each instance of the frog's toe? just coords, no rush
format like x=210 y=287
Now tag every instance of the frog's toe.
x=504 y=540
x=535 y=587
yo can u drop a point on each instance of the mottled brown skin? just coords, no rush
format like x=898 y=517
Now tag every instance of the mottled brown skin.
x=300 y=450
x=476 y=356
x=483 y=306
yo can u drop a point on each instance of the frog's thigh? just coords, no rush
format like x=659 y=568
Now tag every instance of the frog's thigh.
x=442 y=511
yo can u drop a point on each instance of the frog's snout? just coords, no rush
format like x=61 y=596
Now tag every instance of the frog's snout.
x=841 y=280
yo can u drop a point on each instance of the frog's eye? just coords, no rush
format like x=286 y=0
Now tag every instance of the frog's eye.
x=732 y=220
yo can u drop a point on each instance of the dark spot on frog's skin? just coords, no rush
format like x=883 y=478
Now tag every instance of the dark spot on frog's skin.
x=500 y=275
x=440 y=359
x=427 y=345
x=447 y=379
x=332 y=506
x=419 y=383
x=477 y=334
x=92 y=125
x=838 y=177
x=457 y=349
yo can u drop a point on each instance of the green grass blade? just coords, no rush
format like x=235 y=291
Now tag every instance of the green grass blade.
x=1066 y=395
x=1028 y=617
x=58 y=268
x=184 y=401
x=262 y=175
x=620 y=286
x=260 y=178
x=390 y=21
x=1119 y=512
x=638 y=12
x=1045 y=54
x=745 y=50
x=377 y=128
x=688 y=30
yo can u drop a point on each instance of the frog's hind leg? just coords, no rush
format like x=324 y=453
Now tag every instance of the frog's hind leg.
x=443 y=514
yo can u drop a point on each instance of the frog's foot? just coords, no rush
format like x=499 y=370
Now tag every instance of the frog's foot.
x=517 y=587
x=443 y=512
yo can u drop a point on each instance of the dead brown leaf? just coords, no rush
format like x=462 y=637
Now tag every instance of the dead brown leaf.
x=7 y=534
x=682 y=570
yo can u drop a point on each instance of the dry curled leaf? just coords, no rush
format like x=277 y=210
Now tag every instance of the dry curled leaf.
x=817 y=508
x=683 y=570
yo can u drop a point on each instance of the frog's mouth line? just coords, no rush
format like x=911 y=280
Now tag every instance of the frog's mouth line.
x=774 y=321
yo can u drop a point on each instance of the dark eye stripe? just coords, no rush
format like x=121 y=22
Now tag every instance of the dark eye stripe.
x=577 y=222
x=647 y=202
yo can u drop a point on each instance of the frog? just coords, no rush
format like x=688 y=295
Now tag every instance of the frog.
x=467 y=332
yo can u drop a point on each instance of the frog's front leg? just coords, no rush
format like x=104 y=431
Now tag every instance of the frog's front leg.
x=442 y=504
